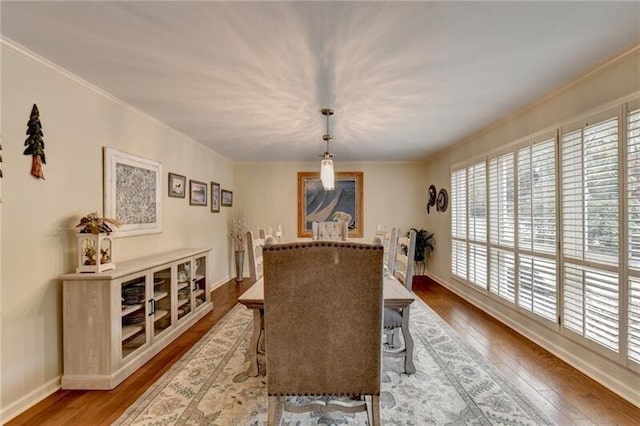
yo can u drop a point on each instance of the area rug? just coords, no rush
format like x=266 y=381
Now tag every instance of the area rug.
x=453 y=385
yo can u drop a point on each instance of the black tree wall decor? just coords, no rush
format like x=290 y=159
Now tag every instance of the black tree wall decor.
x=34 y=143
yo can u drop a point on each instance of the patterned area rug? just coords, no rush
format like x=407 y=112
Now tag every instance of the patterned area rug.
x=453 y=385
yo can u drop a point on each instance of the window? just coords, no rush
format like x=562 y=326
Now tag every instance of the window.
x=507 y=225
x=590 y=232
x=633 y=225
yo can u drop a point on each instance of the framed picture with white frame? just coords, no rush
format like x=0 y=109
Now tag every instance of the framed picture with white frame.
x=132 y=192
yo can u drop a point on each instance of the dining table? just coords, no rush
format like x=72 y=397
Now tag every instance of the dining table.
x=396 y=296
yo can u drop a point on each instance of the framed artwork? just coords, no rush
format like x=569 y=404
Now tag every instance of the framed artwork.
x=198 y=193
x=215 y=197
x=343 y=203
x=177 y=185
x=132 y=192
x=227 y=198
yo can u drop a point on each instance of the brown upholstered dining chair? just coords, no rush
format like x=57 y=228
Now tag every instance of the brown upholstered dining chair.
x=311 y=290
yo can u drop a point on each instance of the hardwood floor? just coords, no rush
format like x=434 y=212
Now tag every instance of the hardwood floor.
x=566 y=395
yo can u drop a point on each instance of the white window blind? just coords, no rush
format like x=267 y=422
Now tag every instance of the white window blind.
x=501 y=200
x=590 y=211
x=502 y=274
x=633 y=343
x=537 y=286
x=633 y=188
x=590 y=193
x=536 y=197
x=459 y=223
x=477 y=213
x=633 y=223
x=459 y=204
x=591 y=298
x=459 y=258
x=478 y=265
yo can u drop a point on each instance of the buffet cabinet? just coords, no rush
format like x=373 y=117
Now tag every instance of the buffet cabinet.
x=115 y=321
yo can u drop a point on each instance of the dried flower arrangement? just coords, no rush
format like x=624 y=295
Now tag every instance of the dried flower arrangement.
x=92 y=224
x=238 y=231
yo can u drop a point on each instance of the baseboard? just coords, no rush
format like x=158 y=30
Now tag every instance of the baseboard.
x=29 y=400
x=220 y=283
x=620 y=380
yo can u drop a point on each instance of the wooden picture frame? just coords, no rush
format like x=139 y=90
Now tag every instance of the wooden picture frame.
x=197 y=193
x=316 y=205
x=132 y=192
x=226 y=198
x=177 y=185
x=215 y=197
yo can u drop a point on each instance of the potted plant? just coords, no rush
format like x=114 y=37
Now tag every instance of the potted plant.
x=94 y=243
x=425 y=244
x=238 y=236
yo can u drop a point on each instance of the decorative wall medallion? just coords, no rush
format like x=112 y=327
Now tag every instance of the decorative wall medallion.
x=432 y=198
x=443 y=200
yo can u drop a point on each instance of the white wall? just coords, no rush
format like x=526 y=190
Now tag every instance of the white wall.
x=38 y=243
x=612 y=81
x=394 y=194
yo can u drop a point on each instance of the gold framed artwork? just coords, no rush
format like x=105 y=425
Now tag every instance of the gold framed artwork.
x=343 y=203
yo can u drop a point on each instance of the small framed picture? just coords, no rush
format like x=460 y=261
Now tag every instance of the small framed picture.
x=215 y=197
x=177 y=185
x=198 y=193
x=227 y=198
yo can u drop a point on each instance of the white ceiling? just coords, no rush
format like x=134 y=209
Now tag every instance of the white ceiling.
x=248 y=78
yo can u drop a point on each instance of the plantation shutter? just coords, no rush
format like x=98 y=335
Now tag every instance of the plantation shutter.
x=501 y=201
x=590 y=232
x=536 y=197
x=459 y=223
x=537 y=286
x=502 y=273
x=633 y=223
x=477 y=220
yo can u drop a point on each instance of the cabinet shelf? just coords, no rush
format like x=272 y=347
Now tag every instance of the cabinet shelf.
x=183 y=284
x=130 y=331
x=131 y=309
x=160 y=313
x=182 y=302
x=159 y=295
x=199 y=277
x=199 y=292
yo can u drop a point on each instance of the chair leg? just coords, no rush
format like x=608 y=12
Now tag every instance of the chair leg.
x=275 y=410
x=373 y=410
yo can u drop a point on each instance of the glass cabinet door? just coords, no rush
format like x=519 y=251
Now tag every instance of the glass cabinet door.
x=200 y=281
x=161 y=305
x=184 y=302
x=133 y=294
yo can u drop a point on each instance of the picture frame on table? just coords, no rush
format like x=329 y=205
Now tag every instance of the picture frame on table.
x=317 y=205
x=132 y=192
x=177 y=185
x=197 y=193
x=215 y=197
x=226 y=198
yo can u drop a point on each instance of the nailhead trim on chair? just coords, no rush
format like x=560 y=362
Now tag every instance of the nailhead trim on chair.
x=290 y=246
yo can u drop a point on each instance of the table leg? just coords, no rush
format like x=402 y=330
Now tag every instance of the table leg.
x=252 y=350
x=409 y=367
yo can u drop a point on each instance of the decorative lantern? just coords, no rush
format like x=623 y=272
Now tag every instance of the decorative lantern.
x=94 y=253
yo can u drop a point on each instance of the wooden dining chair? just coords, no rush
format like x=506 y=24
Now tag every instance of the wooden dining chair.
x=387 y=235
x=311 y=290
x=330 y=231
x=402 y=252
x=255 y=246
x=272 y=231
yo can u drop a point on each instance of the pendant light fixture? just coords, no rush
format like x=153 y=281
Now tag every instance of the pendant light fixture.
x=327 y=176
